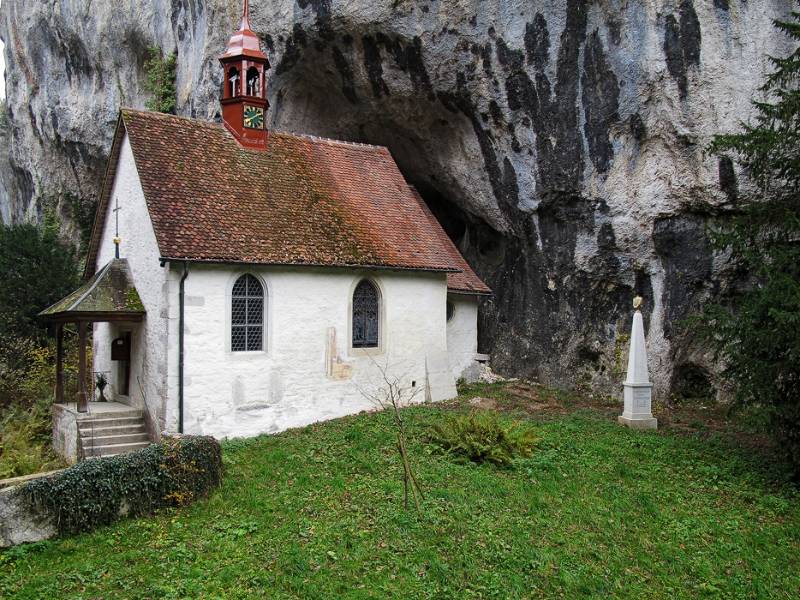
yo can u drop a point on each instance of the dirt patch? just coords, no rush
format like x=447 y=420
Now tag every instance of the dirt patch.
x=531 y=399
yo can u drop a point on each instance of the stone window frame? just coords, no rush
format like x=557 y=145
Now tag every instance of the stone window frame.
x=380 y=348
x=266 y=331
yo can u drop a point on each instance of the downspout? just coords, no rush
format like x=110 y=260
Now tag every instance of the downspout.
x=181 y=303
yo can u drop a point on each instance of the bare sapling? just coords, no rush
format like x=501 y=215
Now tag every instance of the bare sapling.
x=392 y=395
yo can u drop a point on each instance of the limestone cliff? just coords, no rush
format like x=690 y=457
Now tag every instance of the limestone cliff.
x=559 y=141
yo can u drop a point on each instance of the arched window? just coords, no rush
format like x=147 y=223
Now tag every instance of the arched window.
x=247 y=315
x=234 y=85
x=451 y=310
x=366 y=315
x=253 y=82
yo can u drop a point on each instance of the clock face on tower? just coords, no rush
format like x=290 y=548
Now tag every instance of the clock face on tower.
x=253 y=117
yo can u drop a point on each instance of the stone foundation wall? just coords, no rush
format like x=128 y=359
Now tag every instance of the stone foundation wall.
x=17 y=523
x=65 y=433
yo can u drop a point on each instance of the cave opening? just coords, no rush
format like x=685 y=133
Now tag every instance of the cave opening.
x=692 y=383
x=325 y=90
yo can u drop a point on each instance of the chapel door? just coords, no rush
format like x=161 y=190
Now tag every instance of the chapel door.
x=121 y=353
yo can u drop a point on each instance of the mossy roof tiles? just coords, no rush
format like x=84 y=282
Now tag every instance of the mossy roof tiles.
x=109 y=294
x=303 y=201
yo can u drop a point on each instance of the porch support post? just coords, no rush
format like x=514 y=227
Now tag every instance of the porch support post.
x=60 y=363
x=83 y=405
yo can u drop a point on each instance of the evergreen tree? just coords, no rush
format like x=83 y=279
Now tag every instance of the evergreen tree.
x=36 y=269
x=758 y=336
x=161 y=73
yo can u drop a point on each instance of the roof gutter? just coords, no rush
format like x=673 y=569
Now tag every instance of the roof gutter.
x=217 y=262
x=182 y=306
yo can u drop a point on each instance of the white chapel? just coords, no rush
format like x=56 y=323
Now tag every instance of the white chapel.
x=244 y=281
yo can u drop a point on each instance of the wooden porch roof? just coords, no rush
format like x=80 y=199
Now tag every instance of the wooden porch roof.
x=108 y=296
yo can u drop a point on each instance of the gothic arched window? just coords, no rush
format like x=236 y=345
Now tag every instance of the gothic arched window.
x=234 y=85
x=253 y=82
x=247 y=315
x=366 y=315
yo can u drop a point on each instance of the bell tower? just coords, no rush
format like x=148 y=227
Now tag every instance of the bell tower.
x=244 y=95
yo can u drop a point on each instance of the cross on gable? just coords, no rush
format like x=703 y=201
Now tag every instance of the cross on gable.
x=117 y=239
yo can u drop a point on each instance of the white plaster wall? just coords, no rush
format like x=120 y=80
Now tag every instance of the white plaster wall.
x=148 y=383
x=462 y=333
x=287 y=385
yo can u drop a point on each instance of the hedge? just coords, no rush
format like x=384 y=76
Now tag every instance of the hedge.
x=97 y=492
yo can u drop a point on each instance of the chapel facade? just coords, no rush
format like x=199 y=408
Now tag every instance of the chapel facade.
x=259 y=280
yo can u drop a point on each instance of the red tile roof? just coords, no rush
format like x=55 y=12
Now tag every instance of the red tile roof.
x=465 y=280
x=303 y=201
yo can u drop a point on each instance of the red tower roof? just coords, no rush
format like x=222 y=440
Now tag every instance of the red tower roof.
x=244 y=42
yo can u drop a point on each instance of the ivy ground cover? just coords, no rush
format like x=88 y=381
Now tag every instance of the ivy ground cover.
x=597 y=511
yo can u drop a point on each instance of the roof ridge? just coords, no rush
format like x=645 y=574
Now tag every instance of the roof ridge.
x=327 y=140
x=215 y=125
x=168 y=116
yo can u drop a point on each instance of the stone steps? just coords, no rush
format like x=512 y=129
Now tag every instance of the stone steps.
x=121 y=438
x=112 y=430
x=113 y=449
x=110 y=434
x=85 y=424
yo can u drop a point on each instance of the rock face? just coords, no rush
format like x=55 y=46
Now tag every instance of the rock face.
x=560 y=142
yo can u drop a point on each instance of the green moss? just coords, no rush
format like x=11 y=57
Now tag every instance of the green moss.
x=133 y=301
x=621 y=354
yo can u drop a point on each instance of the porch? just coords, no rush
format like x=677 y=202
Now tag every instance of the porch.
x=85 y=428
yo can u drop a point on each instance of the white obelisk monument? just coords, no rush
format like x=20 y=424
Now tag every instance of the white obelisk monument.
x=638 y=391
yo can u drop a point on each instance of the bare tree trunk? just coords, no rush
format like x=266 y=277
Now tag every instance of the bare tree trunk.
x=392 y=397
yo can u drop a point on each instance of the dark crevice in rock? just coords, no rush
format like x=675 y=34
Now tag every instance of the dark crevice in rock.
x=346 y=73
x=615 y=31
x=452 y=218
x=727 y=178
x=690 y=33
x=555 y=121
x=600 y=102
x=682 y=41
x=408 y=58
x=373 y=63
x=293 y=50
x=537 y=42
x=682 y=245
x=638 y=128
x=486 y=59
x=673 y=53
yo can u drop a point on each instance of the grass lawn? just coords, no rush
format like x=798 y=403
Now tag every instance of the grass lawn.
x=598 y=511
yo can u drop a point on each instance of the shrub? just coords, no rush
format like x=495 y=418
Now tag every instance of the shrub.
x=99 y=491
x=27 y=377
x=26 y=440
x=482 y=436
x=161 y=74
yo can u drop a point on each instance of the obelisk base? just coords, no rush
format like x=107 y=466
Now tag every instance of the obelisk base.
x=637 y=413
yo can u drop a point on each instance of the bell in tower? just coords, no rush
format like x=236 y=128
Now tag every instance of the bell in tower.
x=244 y=95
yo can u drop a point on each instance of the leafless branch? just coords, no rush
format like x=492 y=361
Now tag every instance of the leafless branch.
x=392 y=394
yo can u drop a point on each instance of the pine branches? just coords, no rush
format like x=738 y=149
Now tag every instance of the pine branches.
x=758 y=337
